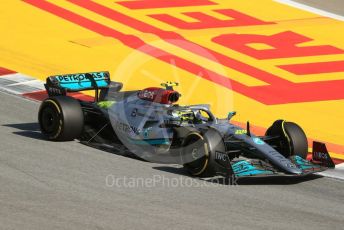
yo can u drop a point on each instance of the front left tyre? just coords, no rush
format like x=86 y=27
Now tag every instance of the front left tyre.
x=199 y=151
x=61 y=118
x=196 y=150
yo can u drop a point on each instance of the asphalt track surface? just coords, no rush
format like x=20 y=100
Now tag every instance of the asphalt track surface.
x=50 y=185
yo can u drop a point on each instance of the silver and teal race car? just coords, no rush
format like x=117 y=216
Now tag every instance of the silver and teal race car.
x=150 y=124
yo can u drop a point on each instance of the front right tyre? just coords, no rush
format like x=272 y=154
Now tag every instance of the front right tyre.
x=291 y=140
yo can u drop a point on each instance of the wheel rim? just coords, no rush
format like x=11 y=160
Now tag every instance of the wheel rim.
x=49 y=120
x=196 y=146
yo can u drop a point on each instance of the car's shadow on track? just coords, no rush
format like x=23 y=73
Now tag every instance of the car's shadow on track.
x=31 y=130
x=272 y=180
x=277 y=180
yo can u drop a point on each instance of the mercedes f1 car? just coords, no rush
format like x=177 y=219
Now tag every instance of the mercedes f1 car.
x=149 y=124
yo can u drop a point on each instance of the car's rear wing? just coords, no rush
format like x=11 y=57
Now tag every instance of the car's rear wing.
x=62 y=84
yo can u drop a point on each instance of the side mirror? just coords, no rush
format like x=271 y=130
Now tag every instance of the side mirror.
x=230 y=115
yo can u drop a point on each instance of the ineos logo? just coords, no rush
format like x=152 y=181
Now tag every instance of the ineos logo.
x=147 y=94
x=320 y=155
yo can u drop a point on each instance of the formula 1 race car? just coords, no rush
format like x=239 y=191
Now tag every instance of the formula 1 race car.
x=149 y=124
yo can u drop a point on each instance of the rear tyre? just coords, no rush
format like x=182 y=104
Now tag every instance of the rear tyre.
x=61 y=118
x=292 y=139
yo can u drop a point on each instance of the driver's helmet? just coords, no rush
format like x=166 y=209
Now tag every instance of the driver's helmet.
x=199 y=117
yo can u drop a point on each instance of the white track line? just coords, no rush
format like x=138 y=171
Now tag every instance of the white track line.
x=17 y=77
x=19 y=82
x=311 y=9
x=28 y=82
x=337 y=173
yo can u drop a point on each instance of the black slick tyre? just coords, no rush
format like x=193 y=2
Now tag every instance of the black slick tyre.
x=61 y=118
x=292 y=139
